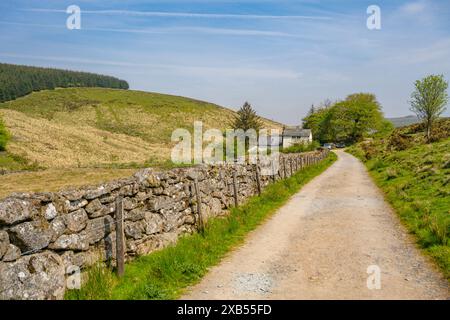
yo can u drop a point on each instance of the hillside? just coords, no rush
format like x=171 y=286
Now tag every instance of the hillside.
x=18 y=81
x=403 y=121
x=95 y=127
x=415 y=178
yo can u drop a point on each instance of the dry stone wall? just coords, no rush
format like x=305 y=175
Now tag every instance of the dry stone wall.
x=43 y=235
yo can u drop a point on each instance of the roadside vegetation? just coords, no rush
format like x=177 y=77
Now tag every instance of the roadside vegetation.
x=165 y=274
x=415 y=177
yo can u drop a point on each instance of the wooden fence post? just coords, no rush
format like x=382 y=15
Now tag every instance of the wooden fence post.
x=199 y=205
x=290 y=165
x=235 y=188
x=258 y=181
x=120 y=238
x=284 y=168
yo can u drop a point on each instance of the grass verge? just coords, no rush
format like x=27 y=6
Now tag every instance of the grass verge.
x=166 y=273
x=416 y=182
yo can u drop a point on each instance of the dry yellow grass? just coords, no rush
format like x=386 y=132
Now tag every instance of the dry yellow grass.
x=57 y=179
x=53 y=144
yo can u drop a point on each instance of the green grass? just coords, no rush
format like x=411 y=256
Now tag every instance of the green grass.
x=4 y=135
x=416 y=182
x=166 y=273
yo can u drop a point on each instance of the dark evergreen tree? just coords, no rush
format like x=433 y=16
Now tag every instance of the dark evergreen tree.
x=17 y=80
x=246 y=118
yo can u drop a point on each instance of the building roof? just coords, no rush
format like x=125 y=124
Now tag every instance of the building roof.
x=296 y=132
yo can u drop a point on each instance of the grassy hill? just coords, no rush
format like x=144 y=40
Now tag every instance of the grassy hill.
x=415 y=178
x=67 y=129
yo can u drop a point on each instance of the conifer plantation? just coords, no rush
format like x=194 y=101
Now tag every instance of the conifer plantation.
x=17 y=81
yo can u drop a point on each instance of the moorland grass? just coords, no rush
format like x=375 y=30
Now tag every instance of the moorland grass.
x=166 y=273
x=88 y=127
x=68 y=133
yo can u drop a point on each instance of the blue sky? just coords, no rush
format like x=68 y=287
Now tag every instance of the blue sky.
x=281 y=56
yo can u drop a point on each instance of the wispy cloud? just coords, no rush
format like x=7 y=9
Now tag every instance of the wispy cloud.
x=413 y=7
x=190 y=70
x=171 y=30
x=188 y=14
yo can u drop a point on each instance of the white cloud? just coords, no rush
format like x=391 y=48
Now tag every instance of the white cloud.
x=413 y=7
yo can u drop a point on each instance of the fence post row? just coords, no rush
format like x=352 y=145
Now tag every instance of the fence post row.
x=258 y=181
x=236 y=202
x=120 y=238
x=199 y=205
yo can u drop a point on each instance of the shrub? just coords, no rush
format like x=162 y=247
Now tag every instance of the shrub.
x=4 y=136
x=369 y=150
x=399 y=141
x=441 y=130
x=301 y=147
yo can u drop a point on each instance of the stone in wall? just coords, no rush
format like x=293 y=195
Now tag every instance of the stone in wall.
x=77 y=242
x=98 y=228
x=34 y=277
x=32 y=235
x=14 y=210
x=12 y=253
x=4 y=243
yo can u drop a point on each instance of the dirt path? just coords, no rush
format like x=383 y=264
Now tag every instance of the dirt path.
x=320 y=244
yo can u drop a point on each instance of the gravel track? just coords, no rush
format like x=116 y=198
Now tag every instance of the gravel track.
x=320 y=244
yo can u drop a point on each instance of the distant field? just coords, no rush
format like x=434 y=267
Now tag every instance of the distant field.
x=88 y=128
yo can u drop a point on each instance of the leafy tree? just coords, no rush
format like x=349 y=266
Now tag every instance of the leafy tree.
x=246 y=118
x=346 y=120
x=363 y=114
x=429 y=99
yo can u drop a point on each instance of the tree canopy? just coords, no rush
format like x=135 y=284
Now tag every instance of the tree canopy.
x=347 y=120
x=17 y=81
